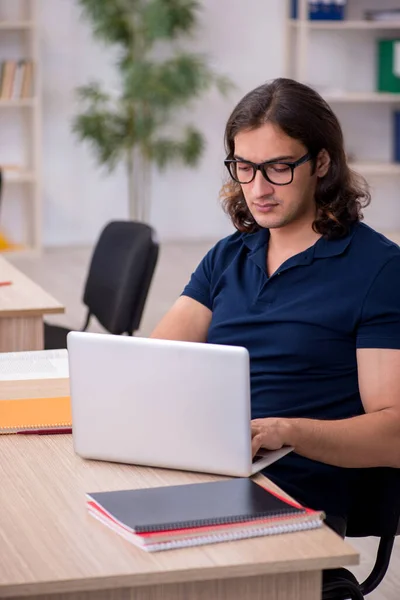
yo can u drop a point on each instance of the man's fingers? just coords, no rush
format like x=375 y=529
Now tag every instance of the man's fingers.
x=255 y=444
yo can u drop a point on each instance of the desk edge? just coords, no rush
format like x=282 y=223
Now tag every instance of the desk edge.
x=179 y=576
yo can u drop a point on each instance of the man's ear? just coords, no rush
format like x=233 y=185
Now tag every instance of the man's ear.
x=322 y=163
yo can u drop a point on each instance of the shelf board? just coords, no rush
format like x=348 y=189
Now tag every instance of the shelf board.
x=19 y=176
x=350 y=97
x=348 y=25
x=17 y=102
x=23 y=251
x=15 y=25
x=375 y=168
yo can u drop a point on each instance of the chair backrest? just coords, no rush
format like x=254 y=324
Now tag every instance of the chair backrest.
x=375 y=509
x=120 y=274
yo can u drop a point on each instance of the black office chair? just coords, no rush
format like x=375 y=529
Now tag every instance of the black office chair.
x=375 y=511
x=119 y=278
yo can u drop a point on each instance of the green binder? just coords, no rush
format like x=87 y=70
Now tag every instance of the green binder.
x=389 y=66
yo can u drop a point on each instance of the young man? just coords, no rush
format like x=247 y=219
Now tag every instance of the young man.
x=309 y=290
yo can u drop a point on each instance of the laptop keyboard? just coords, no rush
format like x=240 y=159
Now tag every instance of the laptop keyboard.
x=256 y=458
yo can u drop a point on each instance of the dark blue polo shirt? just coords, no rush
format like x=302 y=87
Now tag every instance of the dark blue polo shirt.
x=302 y=327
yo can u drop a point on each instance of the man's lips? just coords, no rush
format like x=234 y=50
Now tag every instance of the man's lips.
x=265 y=206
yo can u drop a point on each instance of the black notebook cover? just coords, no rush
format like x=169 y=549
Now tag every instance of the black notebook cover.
x=193 y=505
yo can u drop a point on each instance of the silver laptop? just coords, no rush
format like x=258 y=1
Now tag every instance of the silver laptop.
x=179 y=405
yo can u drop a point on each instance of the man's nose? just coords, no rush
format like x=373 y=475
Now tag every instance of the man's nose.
x=262 y=187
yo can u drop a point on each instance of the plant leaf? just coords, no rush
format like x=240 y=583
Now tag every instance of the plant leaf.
x=112 y=19
x=168 y=19
x=92 y=93
x=171 y=83
x=106 y=133
x=187 y=150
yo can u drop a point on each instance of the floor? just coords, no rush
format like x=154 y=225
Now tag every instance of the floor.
x=62 y=272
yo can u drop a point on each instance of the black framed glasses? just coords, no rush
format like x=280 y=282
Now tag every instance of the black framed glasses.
x=277 y=173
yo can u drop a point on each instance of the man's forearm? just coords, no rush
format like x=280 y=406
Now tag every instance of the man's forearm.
x=369 y=440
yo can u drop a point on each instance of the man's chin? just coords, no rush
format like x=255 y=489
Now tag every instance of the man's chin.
x=269 y=223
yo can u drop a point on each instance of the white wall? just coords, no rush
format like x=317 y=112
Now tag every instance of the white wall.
x=245 y=42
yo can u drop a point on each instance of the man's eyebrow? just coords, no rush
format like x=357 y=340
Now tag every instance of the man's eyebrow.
x=276 y=159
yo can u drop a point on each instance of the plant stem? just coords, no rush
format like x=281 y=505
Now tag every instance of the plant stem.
x=146 y=189
x=134 y=167
x=139 y=185
x=132 y=192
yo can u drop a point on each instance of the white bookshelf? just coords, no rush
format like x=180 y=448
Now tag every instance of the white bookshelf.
x=300 y=34
x=19 y=177
x=22 y=181
x=18 y=103
x=363 y=97
x=350 y=24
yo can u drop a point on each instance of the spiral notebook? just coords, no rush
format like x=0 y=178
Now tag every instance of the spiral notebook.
x=194 y=514
x=36 y=415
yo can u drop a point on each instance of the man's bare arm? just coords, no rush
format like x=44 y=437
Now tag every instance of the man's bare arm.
x=187 y=320
x=368 y=440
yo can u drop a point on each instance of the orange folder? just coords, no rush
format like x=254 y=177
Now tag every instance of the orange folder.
x=36 y=415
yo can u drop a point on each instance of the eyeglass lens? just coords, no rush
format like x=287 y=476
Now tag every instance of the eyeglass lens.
x=278 y=173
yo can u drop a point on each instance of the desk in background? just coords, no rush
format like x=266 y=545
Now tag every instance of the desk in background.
x=50 y=546
x=22 y=306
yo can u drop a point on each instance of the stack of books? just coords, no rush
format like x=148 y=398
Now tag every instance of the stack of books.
x=20 y=411
x=321 y=10
x=164 y=518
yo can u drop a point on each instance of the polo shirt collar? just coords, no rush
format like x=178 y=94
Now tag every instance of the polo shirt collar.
x=323 y=248
x=257 y=243
x=256 y=240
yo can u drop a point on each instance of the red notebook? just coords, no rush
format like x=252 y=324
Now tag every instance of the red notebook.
x=170 y=517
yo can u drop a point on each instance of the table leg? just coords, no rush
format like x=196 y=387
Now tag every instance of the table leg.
x=21 y=333
x=283 y=586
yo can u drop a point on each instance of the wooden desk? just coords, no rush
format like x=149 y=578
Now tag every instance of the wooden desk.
x=22 y=306
x=50 y=547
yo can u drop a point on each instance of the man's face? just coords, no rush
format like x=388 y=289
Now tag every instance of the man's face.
x=274 y=206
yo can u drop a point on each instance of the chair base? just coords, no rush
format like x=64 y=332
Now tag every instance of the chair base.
x=381 y=565
x=340 y=584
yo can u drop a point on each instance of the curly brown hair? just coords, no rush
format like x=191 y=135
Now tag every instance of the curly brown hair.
x=303 y=115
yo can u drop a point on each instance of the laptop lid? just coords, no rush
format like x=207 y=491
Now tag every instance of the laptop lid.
x=161 y=403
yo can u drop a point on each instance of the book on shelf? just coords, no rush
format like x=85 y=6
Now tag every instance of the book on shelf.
x=7 y=79
x=164 y=518
x=383 y=15
x=27 y=80
x=321 y=10
x=16 y=79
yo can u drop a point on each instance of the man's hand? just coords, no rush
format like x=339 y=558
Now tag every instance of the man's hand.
x=268 y=433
